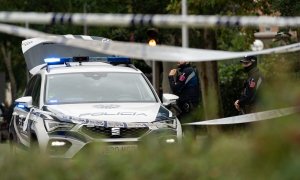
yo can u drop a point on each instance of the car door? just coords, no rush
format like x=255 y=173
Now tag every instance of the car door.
x=24 y=115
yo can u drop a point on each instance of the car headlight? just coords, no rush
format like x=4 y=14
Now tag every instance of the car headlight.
x=52 y=125
x=165 y=122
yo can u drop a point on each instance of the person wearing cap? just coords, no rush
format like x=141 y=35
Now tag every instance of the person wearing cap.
x=184 y=83
x=248 y=99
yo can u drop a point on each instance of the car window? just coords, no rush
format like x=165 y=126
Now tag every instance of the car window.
x=98 y=87
x=36 y=91
x=29 y=87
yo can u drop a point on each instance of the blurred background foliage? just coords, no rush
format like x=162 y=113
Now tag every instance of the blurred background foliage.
x=221 y=38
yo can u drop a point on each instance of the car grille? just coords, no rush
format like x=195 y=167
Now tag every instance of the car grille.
x=108 y=132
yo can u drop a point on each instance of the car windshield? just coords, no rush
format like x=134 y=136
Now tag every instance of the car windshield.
x=95 y=87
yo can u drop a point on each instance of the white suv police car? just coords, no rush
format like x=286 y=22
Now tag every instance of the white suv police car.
x=75 y=101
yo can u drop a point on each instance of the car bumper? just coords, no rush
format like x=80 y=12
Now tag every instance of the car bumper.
x=67 y=144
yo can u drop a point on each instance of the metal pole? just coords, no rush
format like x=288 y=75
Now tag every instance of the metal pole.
x=184 y=28
x=84 y=23
x=27 y=73
x=154 y=75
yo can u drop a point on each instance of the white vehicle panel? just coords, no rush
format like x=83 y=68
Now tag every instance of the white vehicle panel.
x=121 y=112
x=35 y=50
x=91 y=67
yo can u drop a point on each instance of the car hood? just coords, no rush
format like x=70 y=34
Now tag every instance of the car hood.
x=118 y=112
x=35 y=50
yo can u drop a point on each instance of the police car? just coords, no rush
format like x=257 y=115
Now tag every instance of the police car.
x=76 y=98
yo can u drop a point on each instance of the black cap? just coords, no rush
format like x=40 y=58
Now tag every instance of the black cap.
x=249 y=59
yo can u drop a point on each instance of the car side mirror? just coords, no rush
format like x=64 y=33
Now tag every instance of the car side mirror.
x=169 y=99
x=25 y=101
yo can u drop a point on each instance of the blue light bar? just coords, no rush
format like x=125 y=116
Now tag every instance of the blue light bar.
x=21 y=106
x=56 y=61
x=52 y=60
x=109 y=59
x=118 y=60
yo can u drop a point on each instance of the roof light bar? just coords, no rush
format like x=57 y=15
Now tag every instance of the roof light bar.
x=52 y=60
x=109 y=59
x=118 y=60
x=56 y=61
x=81 y=59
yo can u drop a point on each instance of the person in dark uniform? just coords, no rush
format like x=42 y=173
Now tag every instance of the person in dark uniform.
x=2 y=111
x=248 y=99
x=184 y=82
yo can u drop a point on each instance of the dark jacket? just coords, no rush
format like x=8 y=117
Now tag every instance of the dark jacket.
x=248 y=98
x=186 y=84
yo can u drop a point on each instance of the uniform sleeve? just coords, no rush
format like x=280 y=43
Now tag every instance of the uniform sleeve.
x=249 y=93
x=178 y=85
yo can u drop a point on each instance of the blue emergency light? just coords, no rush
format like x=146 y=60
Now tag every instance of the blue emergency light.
x=22 y=106
x=118 y=60
x=54 y=61
x=109 y=59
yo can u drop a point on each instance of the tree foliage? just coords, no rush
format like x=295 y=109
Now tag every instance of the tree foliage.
x=224 y=38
